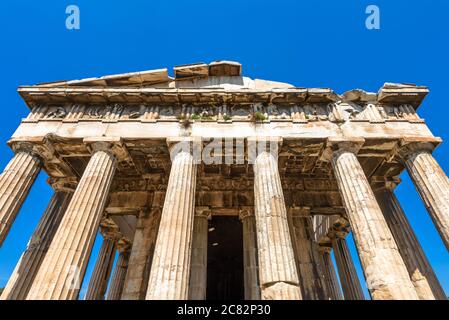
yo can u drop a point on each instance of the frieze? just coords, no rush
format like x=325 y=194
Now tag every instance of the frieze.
x=333 y=112
x=404 y=112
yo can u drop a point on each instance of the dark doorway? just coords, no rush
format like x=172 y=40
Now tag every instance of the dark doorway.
x=225 y=259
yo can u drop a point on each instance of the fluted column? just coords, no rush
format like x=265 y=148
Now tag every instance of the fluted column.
x=170 y=271
x=421 y=273
x=311 y=283
x=61 y=273
x=250 y=268
x=352 y=290
x=141 y=256
x=99 y=279
x=15 y=184
x=431 y=183
x=385 y=272
x=277 y=270
x=26 y=269
x=198 y=273
x=118 y=278
x=333 y=288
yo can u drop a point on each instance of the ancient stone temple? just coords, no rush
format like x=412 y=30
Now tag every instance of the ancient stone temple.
x=211 y=185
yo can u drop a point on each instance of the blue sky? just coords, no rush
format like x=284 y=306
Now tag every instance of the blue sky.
x=306 y=43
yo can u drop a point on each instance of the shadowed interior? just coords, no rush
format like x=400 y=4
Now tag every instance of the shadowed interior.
x=225 y=259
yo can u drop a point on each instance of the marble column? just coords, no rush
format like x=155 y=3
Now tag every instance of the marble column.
x=99 y=279
x=385 y=272
x=118 y=278
x=141 y=256
x=277 y=269
x=330 y=277
x=421 y=273
x=431 y=183
x=170 y=270
x=311 y=283
x=62 y=271
x=198 y=272
x=15 y=184
x=250 y=268
x=26 y=269
x=350 y=283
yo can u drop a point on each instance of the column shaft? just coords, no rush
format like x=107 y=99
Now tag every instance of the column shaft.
x=170 y=271
x=311 y=283
x=433 y=187
x=333 y=288
x=141 y=257
x=15 y=184
x=250 y=268
x=421 y=273
x=277 y=270
x=100 y=276
x=350 y=283
x=61 y=273
x=26 y=269
x=198 y=273
x=118 y=278
x=385 y=272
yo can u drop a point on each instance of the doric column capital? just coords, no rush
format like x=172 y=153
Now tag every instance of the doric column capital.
x=66 y=184
x=338 y=145
x=246 y=212
x=191 y=145
x=40 y=148
x=260 y=146
x=408 y=147
x=110 y=145
x=341 y=223
x=202 y=212
x=389 y=185
x=109 y=229
x=339 y=229
x=21 y=146
x=257 y=145
x=260 y=140
x=325 y=248
x=124 y=246
x=340 y=233
x=110 y=233
x=172 y=141
x=349 y=144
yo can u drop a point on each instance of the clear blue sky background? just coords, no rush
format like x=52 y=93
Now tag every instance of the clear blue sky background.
x=306 y=43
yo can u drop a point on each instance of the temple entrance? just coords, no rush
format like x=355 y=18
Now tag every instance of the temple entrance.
x=225 y=259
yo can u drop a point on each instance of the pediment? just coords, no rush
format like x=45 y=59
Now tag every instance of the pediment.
x=215 y=75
